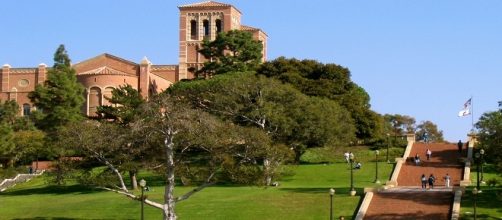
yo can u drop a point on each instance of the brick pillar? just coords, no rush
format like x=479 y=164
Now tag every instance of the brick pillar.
x=4 y=78
x=41 y=73
x=144 y=79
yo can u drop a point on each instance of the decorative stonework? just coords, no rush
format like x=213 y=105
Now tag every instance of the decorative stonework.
x=23 y=83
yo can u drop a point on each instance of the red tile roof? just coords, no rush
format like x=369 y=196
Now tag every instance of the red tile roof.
x=205 y=4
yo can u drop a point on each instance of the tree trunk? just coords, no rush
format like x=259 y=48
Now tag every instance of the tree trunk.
x=169 y=202
x=268 y=170
x=117 y=172
x=134 y=182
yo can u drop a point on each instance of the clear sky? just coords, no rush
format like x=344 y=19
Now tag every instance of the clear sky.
x=420 y=58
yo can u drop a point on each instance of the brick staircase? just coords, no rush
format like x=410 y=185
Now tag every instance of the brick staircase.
x=408 y=200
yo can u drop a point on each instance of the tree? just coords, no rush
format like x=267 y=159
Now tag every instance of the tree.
x=286 y=115
x=331 y=81
x=490 y=136
x=433 y=133
x=7 y=145
x=171 y=124
x=8 y=112
x=30 y=145
x=125 y=105
x=60 y=98
x=231 y=51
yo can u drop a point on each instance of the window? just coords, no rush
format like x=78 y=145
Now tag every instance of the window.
x=218 y=25
x=26 y=109
x=205 y=23
x=193 y=30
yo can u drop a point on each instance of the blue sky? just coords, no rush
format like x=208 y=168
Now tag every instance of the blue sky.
x=419 y=58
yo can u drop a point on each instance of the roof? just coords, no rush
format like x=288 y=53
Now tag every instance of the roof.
x=105 y=71
x=109 y=56
x=249 y=28
x=207 y=4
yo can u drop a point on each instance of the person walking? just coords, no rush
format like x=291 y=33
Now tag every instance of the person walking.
x=460 y=145
x=428 y=153
x=447 y=181
x=417 y=160
x=346 y=155
x=432 y=179
x=423 y=179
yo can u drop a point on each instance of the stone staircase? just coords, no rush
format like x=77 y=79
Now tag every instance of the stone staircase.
x=20 y=178
x=407 y=200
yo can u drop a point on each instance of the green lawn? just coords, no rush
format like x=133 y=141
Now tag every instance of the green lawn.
x=489 y=202
x=303 y=195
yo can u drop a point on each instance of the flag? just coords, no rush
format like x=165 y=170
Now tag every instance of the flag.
x=468 y=103
x=466 y=111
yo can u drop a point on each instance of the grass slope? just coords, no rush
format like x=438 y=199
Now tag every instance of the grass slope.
x=303 y=195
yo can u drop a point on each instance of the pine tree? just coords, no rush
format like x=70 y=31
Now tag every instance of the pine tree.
x=60 y=98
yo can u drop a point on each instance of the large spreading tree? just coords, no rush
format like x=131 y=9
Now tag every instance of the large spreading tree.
x=331 y=81
x=59 y=100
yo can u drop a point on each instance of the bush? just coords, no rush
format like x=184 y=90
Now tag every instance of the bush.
x=492 y=182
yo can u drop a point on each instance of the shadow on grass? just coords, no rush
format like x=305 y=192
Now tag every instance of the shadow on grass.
x=339 y=190
x=61 y=218
x=73 y=189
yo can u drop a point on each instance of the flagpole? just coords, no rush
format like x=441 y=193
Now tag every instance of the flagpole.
x=472 y=115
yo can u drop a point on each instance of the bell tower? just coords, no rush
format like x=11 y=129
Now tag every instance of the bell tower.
x=199 y=22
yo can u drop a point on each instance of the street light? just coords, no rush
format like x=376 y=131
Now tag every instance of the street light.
x=477 y=155
x=352 y=191
x=475 y=193
x=482 y=152
x=388 y=161
x=331 y=194
x=377 y=152
x=142 y=183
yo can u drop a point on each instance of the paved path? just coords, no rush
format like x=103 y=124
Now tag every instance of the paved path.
x=408 y=200
x=445 y=159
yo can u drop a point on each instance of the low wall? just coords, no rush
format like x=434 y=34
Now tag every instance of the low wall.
x=364 y=206
x=400 y=161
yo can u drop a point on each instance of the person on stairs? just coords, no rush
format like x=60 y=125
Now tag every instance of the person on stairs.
x=432 y=179
x=424 y=182
x=460 y=145
x=428 y=153
x=447 y=181
x=417 y=160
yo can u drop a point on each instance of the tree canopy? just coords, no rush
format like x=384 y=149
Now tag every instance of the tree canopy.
x=232 y=51
x=490 y=135
x=331 y=81
x=59 y=100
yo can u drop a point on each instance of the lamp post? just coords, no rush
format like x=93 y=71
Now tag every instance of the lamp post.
x=352 y=190
x=475 y=193
x=331 y=194
x=477 y=155
x=377 y=152
x=388 y=161
x=142 y=183
x=482 y=152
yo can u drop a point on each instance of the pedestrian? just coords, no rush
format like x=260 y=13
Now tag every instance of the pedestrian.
x=424 y=182
x=428 y=153
x=30 y=170
x=447 y=181
x=346 y=155
x=460 y=145
x=417 y=160
x=432 y=179
x=426 y=137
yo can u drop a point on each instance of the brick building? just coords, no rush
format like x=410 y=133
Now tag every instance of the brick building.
x=99 y=75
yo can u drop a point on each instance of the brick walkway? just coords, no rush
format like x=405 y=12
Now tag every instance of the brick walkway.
x=408 y=201
x=445 y=159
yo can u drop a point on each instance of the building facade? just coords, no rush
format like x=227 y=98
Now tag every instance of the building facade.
x=99 y=75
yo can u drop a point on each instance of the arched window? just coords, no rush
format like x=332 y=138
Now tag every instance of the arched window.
x=205 y=23
x=26 y=109
x=218 y=26
x=94 y=100
x=193 y=30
